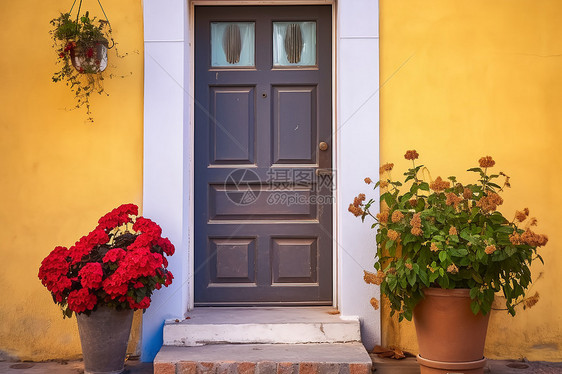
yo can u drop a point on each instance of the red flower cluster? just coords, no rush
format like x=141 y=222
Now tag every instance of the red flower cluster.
x=119 y=264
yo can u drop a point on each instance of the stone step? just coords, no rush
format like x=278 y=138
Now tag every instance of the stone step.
x=261 y=326
x=334 y=358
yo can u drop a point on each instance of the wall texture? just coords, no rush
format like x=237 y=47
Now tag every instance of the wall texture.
x=59 y=173
x=466 y=79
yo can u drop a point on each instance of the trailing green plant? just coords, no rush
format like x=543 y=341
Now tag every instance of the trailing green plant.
x=446 y=234
x=81 y=46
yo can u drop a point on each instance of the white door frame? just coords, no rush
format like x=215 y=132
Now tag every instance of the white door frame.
x=168 y=150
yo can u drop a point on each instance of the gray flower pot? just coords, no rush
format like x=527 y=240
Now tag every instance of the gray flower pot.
x=104 y=336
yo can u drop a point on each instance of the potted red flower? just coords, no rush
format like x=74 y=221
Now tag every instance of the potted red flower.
x=104 y=277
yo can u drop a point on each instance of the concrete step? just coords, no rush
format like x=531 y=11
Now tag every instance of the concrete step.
x=334 y=358
x=261 y=326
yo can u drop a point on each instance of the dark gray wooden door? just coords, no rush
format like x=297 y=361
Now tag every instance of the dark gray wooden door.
x=263 y=189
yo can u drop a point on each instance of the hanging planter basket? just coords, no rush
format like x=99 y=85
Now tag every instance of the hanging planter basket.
x=82 y=43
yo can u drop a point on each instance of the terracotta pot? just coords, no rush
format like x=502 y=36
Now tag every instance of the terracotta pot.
x=91 y=58
x=449 y=333
x=104 y=336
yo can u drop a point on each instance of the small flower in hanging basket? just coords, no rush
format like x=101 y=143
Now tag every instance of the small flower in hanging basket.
x=82 y=46
x=119 y=264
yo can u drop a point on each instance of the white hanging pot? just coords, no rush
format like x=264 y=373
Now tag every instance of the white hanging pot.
x=90 y=58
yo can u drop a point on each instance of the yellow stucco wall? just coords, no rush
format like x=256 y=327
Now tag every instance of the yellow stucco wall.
x=483 y=78
x=59 y=174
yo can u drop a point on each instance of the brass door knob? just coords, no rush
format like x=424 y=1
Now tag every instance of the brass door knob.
x=323 y=146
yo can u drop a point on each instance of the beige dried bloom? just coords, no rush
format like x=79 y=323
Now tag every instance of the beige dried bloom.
x=490 y=249
x=375 y=303
x=453 y=269
x=486 y=162
x=434 y=247
x=411 y=155
x=382 y=217
x=368 y=180
x=393 y=235
x=386 y=167
x=453 y=231
x=439 y=185
x=372 y=278
x=396 y=216
x=531 y=301
x=408 y=265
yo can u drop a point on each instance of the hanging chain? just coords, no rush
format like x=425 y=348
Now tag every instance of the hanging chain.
x=102 y=10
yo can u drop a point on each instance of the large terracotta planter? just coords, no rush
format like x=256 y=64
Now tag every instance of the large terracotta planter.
x=450 y=337
x=104 y=336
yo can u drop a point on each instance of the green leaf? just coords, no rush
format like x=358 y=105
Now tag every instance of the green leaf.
x=473 y=292
x=424 y=278
x=411 y=278
x=478 y=170
x=442 y=256
x=433 y=276
x=459 y=252
x=392 y=283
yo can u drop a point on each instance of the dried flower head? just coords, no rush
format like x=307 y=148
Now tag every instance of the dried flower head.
x=531 y=301
x=393 y=235
x=520 y=216
x=386 y=167
x=467 y=194
x=372 y=278
x=453 y=231
x=396 y=216
x=368 y=180
x=515 y=238
x=490 y=249
x=355 y=210
x=490 y=202
x=413 y=202
x=415 y=222
x=375 y=303
x=439 y=185
x=383 y=184
x=434 y=247
x=382 y=217
x=533 y=239
x=486 y=162
x=408 y=266
x=453 y=199
x=453 y=269
x=411 y=155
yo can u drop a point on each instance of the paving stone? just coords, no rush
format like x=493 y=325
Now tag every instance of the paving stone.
x=308 y=368
x=266 y=367
x=331 y=368
x=187 y=367
x=287 y=368
x=359 y=368
x=206 y=368
x=246 y=368
x=164 y=368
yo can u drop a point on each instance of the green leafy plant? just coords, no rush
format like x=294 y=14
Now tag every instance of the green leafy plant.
x=81 y=46
x=442 y=233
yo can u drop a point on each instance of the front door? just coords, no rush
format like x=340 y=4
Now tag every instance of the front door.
x=263 y=155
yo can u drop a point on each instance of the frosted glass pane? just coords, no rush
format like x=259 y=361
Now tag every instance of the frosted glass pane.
x=232 y=44
x=294 y=43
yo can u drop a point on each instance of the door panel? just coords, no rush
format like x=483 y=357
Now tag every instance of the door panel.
x=263 y=218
